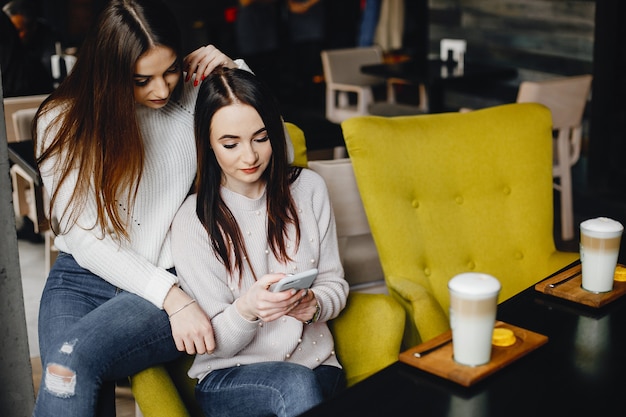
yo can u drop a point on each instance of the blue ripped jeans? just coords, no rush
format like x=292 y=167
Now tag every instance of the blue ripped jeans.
x=280 y=389
x=99 y=334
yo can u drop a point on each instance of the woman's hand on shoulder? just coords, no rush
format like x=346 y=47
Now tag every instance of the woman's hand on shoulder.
x=204 y=60
x=191 y=327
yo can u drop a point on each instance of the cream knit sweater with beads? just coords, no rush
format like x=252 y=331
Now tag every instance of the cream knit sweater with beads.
x=204 y=277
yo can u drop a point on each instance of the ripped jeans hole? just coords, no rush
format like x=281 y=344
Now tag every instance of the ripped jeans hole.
x=68 y=347
x=62 y=386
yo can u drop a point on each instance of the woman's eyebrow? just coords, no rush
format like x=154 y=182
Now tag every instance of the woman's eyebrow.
x=148 y=76
x=229 y=136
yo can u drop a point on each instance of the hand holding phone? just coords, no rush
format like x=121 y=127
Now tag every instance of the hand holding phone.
x=297 y=281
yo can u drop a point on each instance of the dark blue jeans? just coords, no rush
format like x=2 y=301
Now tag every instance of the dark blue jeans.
x=99 y=334
x=280 y=389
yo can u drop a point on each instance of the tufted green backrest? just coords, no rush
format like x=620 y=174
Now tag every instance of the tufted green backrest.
x=457 y=192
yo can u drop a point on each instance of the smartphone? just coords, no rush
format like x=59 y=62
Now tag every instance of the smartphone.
x=299 y=281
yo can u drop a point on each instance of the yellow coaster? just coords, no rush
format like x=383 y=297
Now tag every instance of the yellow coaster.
x=620 y=273
x=503 y=337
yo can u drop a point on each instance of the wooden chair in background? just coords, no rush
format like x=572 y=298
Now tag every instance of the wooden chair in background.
x=343 y=78
x=566 y=98
x=29 y=196
x=349 y=92
x=13 y=104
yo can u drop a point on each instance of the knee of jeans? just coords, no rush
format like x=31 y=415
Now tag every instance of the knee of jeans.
x=59 y=380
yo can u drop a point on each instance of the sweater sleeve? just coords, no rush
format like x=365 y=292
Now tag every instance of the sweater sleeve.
x=330 y=287
x=112 y=260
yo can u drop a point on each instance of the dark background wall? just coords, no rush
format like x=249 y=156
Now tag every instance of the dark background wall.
x=541 y=38
x=537 y=36
x=607 y=147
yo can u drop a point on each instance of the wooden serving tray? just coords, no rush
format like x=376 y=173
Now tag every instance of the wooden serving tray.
x=441 y=362
x=572 y=290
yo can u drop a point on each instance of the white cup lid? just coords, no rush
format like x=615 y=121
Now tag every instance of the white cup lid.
x=474 y=284
x=602 y=225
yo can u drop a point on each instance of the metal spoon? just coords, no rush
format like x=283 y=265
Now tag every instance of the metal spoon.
x=563 y=281
x=431 y=349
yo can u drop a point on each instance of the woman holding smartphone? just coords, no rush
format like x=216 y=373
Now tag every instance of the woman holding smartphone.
x=252 y=220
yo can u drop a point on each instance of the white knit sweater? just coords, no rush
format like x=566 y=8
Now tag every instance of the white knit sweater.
x=204 y=277
x=139 y=264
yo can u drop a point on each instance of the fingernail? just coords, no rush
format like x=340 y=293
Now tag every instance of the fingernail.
x=195 y=82
x=203 y=77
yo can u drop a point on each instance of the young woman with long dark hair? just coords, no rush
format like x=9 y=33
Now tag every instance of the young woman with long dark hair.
x=254 y=219
x=116 y=152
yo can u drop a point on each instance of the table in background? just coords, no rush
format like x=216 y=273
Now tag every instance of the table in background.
x=436 y=75
x=580 y=371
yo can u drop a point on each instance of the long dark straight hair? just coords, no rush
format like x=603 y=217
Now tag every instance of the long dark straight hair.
x=97 y=132
x=222 y=88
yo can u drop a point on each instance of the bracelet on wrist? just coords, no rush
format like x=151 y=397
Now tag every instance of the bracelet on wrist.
x=316 y=315
x=193 y=300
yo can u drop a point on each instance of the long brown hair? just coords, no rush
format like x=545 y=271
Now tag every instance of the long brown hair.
x=222 y=88
x=97 y=133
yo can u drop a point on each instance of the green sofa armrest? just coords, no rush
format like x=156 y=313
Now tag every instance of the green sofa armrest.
x=368 y=334
x=428 y=318
x=166 y=390
x=156 y=394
